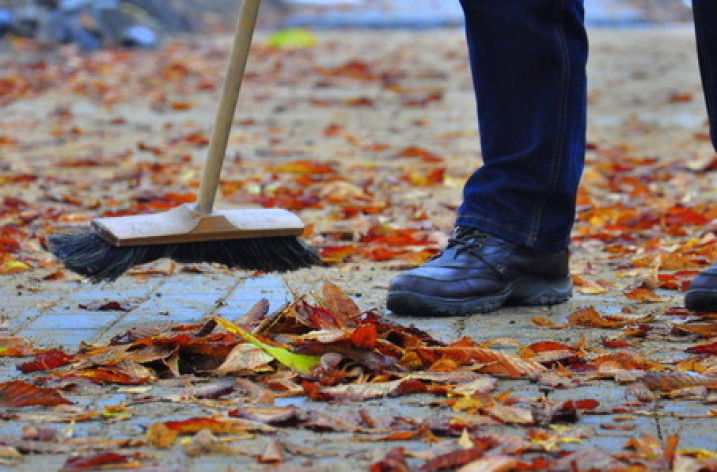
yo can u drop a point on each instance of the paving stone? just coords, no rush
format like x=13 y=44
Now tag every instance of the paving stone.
x=73 y=321
x=68 y=339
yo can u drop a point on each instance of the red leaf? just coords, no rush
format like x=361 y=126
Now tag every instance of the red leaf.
x=394 y=461
x=93 y=462
x=46 y=360
x=107 y=375
x=17 y=394
x=354 y=69
x=454 y=459
x=365 y=336
x=616 y=343
x=709 y=348
x=316 y=317
x=415 y=151
x=10 y=237
x=337 y=253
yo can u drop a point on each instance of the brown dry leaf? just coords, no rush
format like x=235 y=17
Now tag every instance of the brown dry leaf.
x=491 y=463
x=463 y=377
x=667 y=381
x=640 y=391
x=484 y=384
x=590 y=318
x=244 y=357
x=644 y=294
x=273 y=453
x=704 y=330
x=340 y=305
x=591 y=458
x=546 y=323
x=341 y=192
x=204 y=442
x=164 y=434
x=255 y=314
x=589 y=287
x=14 y=346
x=510 y=414
x=324 y=336
x=645 y=445
x=495 y=362
x=271 y=415
x=18 y=394
x=626 y=360
x=393 y=461
x=366 y=391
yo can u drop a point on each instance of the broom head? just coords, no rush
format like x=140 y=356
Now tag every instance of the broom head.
x=252 y=239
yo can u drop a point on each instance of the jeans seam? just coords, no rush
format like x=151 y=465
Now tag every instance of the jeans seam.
x=700 y=31
x=561 y=131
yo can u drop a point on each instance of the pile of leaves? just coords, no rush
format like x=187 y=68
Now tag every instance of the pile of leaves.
x=323 y=347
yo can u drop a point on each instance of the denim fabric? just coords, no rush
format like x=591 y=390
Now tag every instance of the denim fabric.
x=705 y=12
x=528 y=61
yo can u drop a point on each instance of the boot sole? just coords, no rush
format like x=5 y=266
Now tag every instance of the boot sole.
x=530 y=291
x=704 y=300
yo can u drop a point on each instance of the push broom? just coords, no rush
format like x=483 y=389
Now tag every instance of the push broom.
x=253 y=239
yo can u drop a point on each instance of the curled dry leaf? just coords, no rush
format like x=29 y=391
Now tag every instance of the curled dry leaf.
x=271 y=415
x=640 y=391
x=667 y=381
x=204 y=442
x=244 y=357
x=367 y=391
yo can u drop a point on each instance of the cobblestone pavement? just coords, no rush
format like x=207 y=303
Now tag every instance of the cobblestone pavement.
x=61 y=314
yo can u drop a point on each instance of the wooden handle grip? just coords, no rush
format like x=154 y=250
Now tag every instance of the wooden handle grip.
x=227 y=105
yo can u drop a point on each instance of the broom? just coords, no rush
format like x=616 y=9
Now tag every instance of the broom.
x=252 y=239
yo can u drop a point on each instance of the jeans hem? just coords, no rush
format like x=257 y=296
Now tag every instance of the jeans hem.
x=510 y=233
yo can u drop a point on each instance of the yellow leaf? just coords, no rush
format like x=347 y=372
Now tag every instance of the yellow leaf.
x=300 y=362
x=698 y=453
x=13 y=267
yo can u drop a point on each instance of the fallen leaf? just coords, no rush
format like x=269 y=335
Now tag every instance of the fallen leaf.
x=299 y=362
x=18 y=394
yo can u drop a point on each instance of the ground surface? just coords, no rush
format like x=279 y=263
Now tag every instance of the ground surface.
x=133 y=131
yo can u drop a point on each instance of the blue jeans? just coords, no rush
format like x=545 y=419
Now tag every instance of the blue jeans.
x=528 y=61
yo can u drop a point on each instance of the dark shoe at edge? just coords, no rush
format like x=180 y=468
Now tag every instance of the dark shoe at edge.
x=478 y=273
x=702 y=294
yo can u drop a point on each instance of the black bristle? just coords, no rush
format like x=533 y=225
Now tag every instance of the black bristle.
x=91 y=256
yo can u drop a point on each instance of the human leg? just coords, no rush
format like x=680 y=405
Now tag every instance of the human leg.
x=528 y=62
x=702 y=294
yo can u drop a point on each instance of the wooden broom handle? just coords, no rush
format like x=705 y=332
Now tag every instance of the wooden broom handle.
x=227 y=105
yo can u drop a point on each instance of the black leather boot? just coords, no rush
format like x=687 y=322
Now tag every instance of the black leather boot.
x=702 y=294
x=477 y=273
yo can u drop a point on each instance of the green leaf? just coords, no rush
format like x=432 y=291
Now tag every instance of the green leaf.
x=292 y=39
x=300 y=362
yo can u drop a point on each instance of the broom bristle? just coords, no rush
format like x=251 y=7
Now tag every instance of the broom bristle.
x=91 y=256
